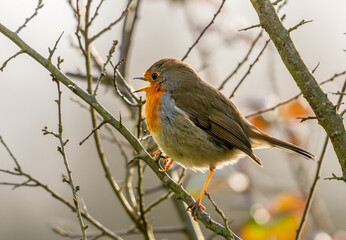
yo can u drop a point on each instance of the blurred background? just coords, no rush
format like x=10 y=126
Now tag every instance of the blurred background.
x=259 y=202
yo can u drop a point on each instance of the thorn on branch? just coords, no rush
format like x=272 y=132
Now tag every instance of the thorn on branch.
x=313 y=71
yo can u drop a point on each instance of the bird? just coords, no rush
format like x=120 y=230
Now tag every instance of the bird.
x=196 y=126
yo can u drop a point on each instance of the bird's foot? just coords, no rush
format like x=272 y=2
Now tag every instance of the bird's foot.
x=194 y=209
x=167 y=164
x=156 y=154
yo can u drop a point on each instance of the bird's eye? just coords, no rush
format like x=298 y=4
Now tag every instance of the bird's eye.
x=154 y=76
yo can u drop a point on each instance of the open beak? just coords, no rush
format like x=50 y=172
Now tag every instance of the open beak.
x=140 y=78
x=141 y=89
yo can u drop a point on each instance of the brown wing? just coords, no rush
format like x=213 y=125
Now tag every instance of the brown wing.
x=209 y=111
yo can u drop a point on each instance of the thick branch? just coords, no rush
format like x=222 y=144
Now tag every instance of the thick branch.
x=323 y=108
x=137 y=146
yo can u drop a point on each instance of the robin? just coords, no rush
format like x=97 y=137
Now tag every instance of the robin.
x=196 y=125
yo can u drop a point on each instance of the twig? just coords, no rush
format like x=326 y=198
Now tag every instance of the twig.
x=115 y=75
x=298 y=25
x=9 y=59
x=109 y=27
x=203 y=31
x=103 y=72
x=38 y=7
x=334 y=177
x=51 y=51
x=220 y=212
x=127 y=34
x=303 y=119
x=312 y=191
x=18 y=168
x=249 y=69
x=55 y=195
x=314 y=70
x=295 y=97
x=96 y=13
x=62 y=151
x=248 y=28
x=242 y=62
x=317 y=176
x=93 y=131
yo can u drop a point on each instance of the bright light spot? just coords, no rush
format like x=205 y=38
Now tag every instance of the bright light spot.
x=239 y=182
x=322 y=236
x=260 y=214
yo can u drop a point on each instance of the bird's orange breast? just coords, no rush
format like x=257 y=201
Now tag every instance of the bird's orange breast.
x=152 y=106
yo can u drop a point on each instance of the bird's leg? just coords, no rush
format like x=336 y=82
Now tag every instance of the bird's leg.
x=197 y=205
x=167 y=164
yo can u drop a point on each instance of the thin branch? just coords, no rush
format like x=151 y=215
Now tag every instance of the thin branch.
x=96 y=13
x=295 y=97
x=126 y=100
x=317 y=176
x=9 y=59
x=127 y=35
x=203 y=31
x=51 y=51
x=312 y=191
x=249 y=69
x=109 y=27
x=220 y=212
x=61 y=149
x=108 y=59
x=298 y=25
x=37 y=183
x=242 y=62
x=251 y=27
x=38 y=7
x=159 y=200
x=93 y=131
x=18 y=168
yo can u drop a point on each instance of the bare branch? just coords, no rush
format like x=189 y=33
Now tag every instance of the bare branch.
x=203 y=31
x=9 y=59
x=298 y=25
x=249 y=69
x=38 y=7
x=251 y=27
x=51 y=51
x=109 y=27
x=242 y=62
x=18 y=168
x=219 y=211
x=312 y=190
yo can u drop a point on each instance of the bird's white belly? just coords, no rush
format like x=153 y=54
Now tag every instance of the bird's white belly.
x=188 y=144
